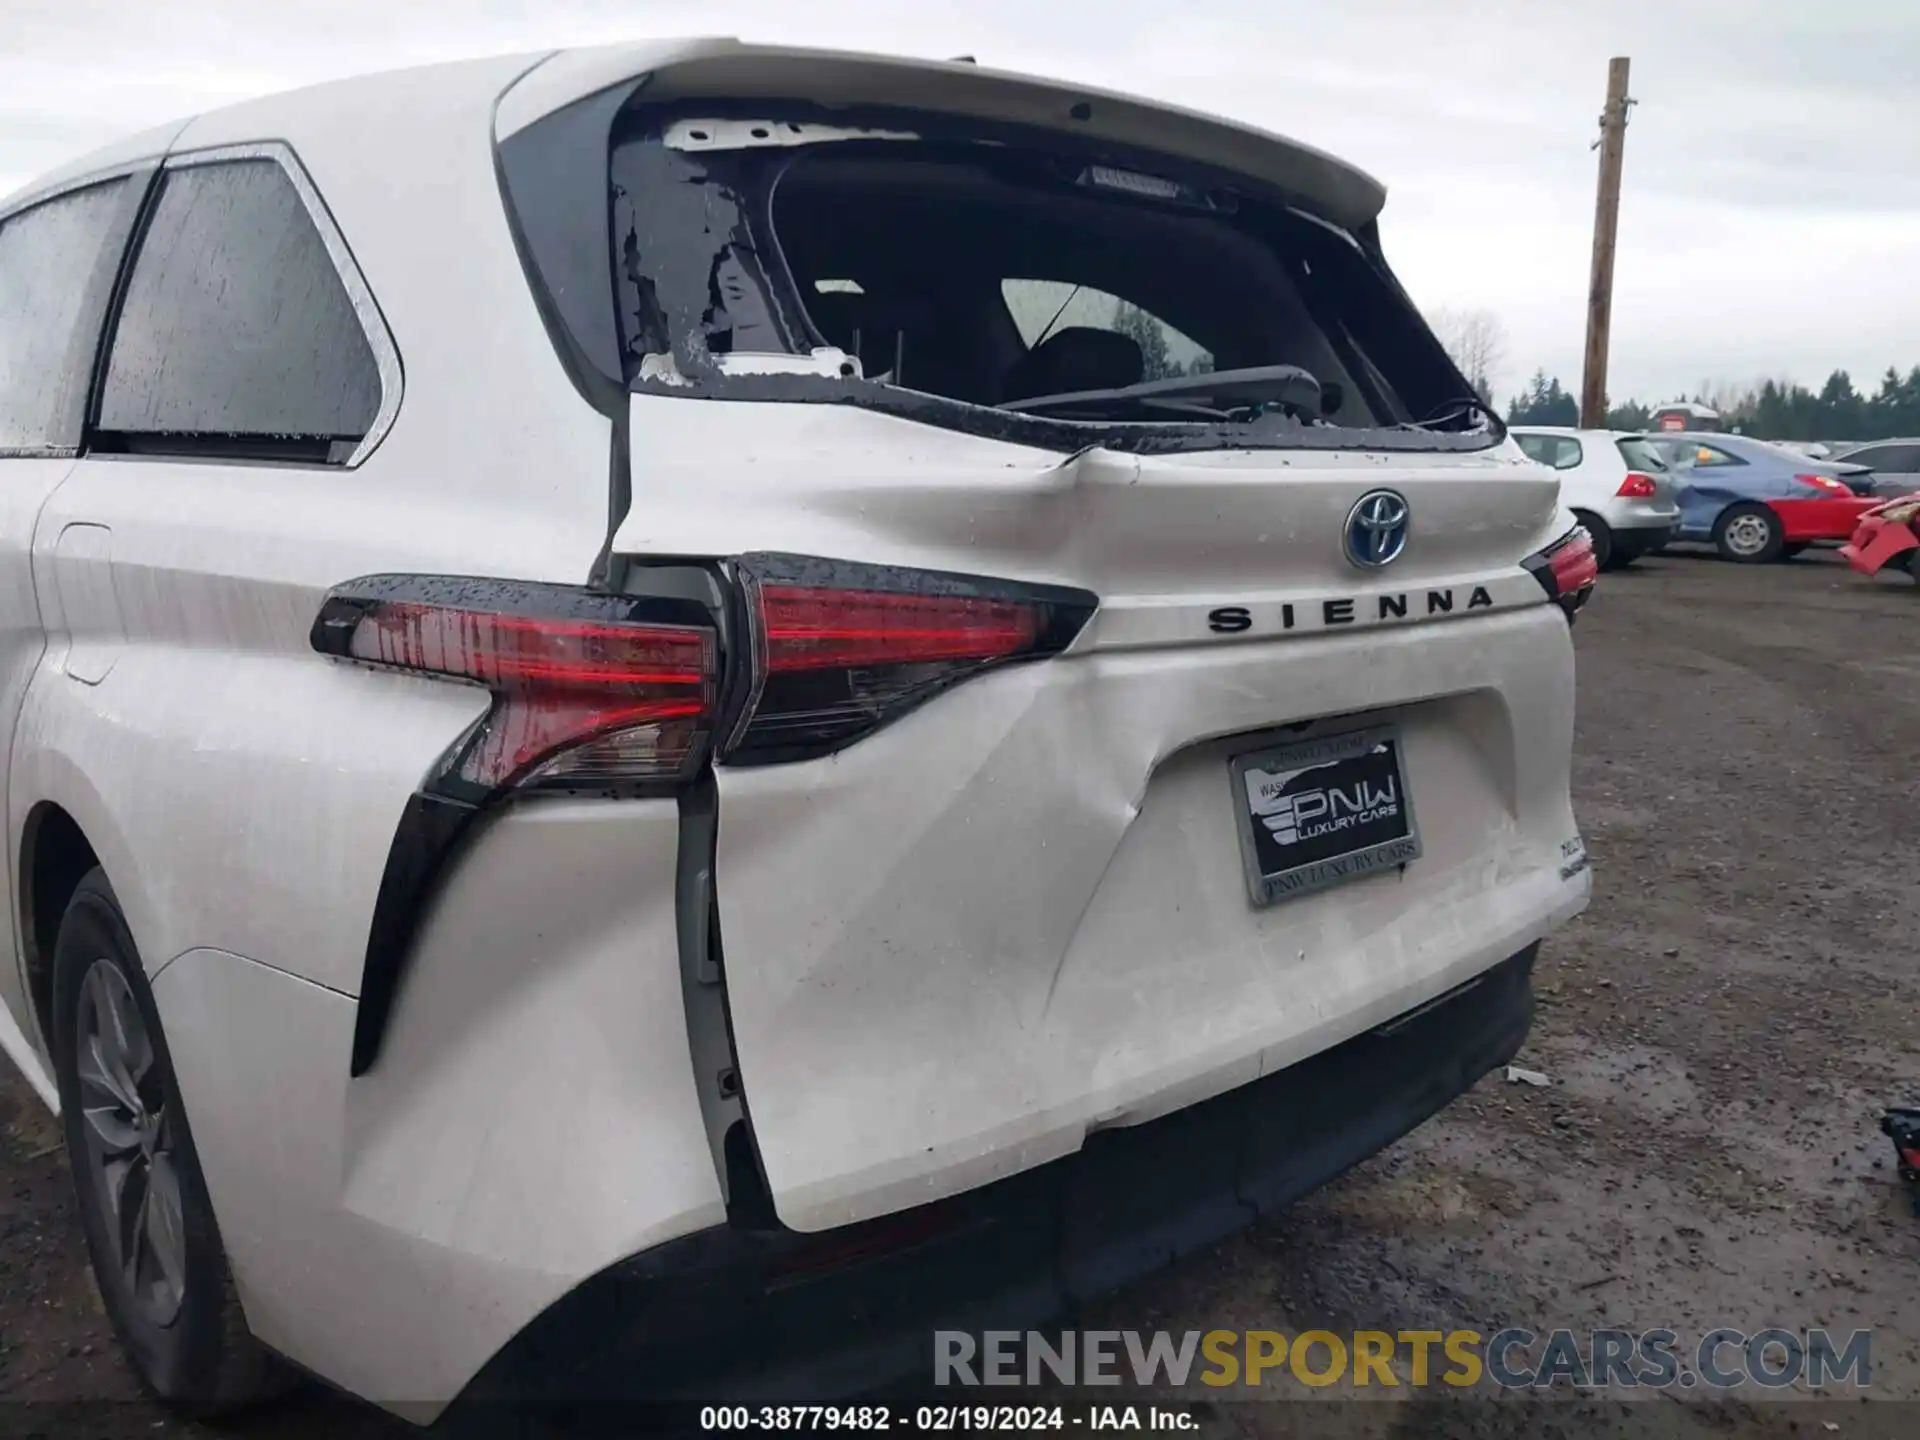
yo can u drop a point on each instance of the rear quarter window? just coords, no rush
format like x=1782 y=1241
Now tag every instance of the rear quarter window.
x=236 y=325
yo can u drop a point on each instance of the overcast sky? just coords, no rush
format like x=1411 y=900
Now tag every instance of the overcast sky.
x=1771 y=213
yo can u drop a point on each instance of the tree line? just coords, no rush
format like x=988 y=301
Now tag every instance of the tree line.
x=1771 y=410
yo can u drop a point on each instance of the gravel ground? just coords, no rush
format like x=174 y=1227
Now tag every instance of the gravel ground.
x=1720 y=1030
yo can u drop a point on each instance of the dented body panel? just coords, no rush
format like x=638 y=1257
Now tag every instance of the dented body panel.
x=1054 y=935
x=1888 y=535
x=945 y=953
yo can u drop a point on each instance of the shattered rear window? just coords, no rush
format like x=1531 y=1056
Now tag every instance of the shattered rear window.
x=1000 y=275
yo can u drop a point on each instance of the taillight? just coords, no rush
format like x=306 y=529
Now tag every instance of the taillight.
x=1637 y=487
x=837 y=650
x=1825 y=483
x=591 y=692
x=1566 y=569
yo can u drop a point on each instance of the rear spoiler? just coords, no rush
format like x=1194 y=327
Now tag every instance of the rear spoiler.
x=726 y=69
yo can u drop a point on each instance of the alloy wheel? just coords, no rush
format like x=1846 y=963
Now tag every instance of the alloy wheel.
x=129 y=1133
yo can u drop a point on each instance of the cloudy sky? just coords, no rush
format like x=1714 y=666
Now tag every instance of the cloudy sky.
x=1771 y=213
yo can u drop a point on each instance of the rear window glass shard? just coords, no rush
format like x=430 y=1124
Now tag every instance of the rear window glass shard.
x=987 y=272
x=690 y=281
x=236 y=325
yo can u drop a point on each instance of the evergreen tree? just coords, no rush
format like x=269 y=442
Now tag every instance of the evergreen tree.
x=1544 y=403
x=1146 y=332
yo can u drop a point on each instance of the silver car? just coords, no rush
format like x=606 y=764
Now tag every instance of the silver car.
x=1895 y=464
x=1617 y=482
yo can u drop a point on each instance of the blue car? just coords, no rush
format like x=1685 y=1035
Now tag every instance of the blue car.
x=1755 y=502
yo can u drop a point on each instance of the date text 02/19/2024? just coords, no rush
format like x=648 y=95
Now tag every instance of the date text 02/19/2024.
x=937 y=1419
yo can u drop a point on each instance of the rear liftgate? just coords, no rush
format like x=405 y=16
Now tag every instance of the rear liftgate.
x=763 y=659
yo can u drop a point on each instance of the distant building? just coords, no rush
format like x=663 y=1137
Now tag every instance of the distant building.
x=1685 y=415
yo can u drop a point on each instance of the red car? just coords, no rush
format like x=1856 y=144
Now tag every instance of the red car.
x=1887 y=535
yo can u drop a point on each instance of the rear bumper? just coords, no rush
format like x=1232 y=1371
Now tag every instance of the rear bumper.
x=1625 y=514
x=1821 y=517
x=739 y=1315
x=1643 y=540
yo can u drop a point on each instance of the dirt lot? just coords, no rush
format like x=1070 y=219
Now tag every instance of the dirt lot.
x=1720 y=1031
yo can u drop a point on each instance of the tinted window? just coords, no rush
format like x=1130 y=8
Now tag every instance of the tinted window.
x=1896 y=459
x=1710 y=457
x=1562 y=452
x=48 y=256
x=1041 y=308
x=235 y=322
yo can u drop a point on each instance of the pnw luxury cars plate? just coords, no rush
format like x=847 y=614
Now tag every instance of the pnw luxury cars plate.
x=1321 y=811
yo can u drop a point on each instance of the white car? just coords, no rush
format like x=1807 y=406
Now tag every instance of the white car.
x=1618 y=482
x=661 y=683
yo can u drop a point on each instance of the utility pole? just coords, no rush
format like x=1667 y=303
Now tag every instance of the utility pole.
x=1612 y=145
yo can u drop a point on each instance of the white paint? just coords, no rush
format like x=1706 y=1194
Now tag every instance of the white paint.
x=1019 y=912
x=698 y=135
x=83 y=574
x=1592 y=483
x=24 y=626
x=532 y=1119
x=1013 y=916
x=723 y=68
x=26 y=1058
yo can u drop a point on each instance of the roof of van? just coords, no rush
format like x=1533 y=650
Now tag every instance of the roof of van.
x=719 y=68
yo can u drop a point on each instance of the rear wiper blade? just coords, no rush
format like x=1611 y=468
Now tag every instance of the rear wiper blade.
x=1222 y=391
x=1453 y=409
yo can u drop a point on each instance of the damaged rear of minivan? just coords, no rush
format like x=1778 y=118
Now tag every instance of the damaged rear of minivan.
x=1137 y=778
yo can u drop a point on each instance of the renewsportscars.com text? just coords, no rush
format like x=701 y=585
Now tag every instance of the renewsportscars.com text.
x=1511 y=1359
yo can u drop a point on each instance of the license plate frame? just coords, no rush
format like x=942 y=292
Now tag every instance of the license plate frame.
x=1362 y=762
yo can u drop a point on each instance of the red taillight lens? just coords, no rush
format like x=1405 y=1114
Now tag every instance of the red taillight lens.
x=590 y=692
x=1825 y=483
x=1638 y=487
x=809 y=629
x=1566 y=569
x=838 y=650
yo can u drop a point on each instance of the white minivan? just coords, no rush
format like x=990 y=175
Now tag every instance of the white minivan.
x=697 y=704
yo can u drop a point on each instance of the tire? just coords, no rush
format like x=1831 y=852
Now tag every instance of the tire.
x=1798 y=547
x=1748 y=534
x=1602 y=539
x=177 y=1317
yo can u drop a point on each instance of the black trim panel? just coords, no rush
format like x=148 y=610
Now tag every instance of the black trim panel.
x=424 y=842
x=439 y=818
x=553 y=185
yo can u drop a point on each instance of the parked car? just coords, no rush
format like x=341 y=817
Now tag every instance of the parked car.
x=766 y=765
x=1887 y=537
x=1616 y=481
x=1894 y=464
x=1755 y=502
